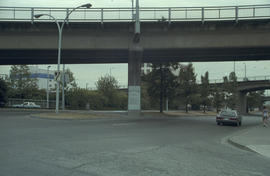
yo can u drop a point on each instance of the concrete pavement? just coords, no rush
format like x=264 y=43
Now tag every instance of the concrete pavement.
x=256 y=139
x=186 y=146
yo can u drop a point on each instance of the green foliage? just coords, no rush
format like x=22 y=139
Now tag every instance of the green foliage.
x=161 y=83
x=77 y=98
x=254 y=100
x=187 y=84
x=108 y=96
x=230 y=86
x=147 y=102
x=218 y=98
x=107 y=86
x=205 y=90
x=21 y=84
x=3 y=92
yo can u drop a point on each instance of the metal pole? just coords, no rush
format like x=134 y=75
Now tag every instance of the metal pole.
x=167 y=104
x=58 y=67
x=48 y=87
x=132 y=15
x=60 y=29
x=63 y=88
x=137 y=19
x=234 y=67
x=245 y=70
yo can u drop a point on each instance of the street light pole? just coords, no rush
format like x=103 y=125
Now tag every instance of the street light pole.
x=48 y=86
x=137 y=19
x=63 y=88
x=132 y=13
x=60 y=29
x=245 y=70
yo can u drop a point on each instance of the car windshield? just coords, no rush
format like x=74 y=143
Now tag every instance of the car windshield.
x=228 y=113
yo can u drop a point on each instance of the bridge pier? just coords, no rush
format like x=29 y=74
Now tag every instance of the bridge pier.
x=134 y=80
x=242 y=102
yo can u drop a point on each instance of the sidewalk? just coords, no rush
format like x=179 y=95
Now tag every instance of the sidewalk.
x=256 y=139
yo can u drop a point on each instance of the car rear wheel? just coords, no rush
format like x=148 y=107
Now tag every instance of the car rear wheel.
x=218 y=123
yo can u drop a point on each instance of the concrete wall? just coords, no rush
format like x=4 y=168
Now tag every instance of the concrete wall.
x=92 y=43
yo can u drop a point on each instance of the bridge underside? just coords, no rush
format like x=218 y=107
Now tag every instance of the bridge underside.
x=84 y=56
x=26 y=43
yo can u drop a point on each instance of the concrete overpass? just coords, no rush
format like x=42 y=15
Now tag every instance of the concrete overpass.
x=249 y=86
x=26 y=43
x=232 y=36
x=243 y=87
x=267 y=98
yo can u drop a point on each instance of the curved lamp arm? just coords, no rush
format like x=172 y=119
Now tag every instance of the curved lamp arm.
x=55 y=20
x=88 y=5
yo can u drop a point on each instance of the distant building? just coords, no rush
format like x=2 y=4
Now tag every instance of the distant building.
x=3 y=76
x=42 y=76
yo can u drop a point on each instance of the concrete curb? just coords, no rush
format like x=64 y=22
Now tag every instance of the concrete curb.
x=231 y=141
x=240 y=146
x=53 y=117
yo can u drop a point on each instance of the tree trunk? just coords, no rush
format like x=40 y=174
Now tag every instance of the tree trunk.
x=203 y=108
x=186 y=106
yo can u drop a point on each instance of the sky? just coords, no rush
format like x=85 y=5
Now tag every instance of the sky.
x=88 y=74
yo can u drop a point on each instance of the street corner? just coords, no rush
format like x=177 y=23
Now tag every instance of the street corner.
x=254 y=139
x=261 y=149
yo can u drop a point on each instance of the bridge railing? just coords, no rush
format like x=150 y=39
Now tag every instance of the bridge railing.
x=161 y=14
x=241 y=79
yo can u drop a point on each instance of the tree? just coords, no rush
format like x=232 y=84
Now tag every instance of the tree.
x=3 y=92
x=21 y=82
x=230 y=86
x=108 y=86
x=218 y=98
x=187 y=84
x=254 y=100
x=205 y=90
x=161 y=82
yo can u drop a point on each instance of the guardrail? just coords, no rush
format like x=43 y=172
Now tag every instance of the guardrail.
x=241 y=79
x=161 y=14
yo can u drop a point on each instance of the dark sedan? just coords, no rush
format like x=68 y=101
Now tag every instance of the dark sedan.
x=229 y=116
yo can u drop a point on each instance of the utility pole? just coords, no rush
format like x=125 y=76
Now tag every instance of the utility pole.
x=132 y=10
x=63 y=88
x=48 y=75
x=137 y=19
x=245 y=70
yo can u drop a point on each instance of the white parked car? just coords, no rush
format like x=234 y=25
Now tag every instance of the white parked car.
x=26 y=105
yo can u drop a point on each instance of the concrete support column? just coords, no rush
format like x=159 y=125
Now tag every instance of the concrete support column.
x=134 y=80
x=242 y=102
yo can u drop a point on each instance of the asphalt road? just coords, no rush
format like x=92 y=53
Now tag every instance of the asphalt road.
x=184 y=146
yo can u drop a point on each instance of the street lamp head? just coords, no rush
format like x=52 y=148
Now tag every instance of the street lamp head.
x=88 y=5
x=38 y=15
